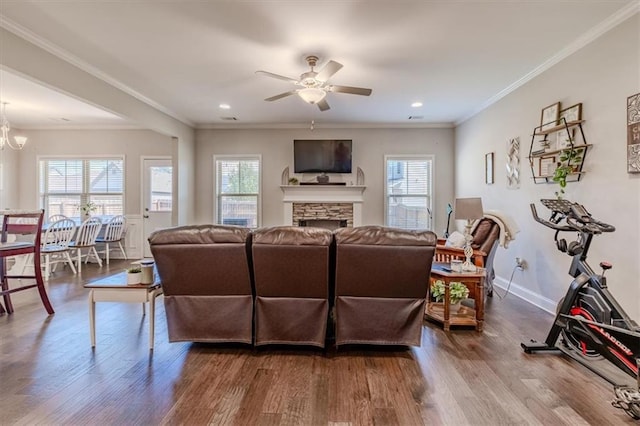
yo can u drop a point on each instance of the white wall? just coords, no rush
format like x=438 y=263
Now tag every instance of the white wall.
x=131 y=143
x=33 y=62
x=369 y=148
x=8 y=177
x=601 y=76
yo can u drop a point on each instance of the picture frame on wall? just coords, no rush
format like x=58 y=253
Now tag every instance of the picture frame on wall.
x=547 y=166
x=571 y=115
x=488 y=168
x=633 y=133
x=565 y=138
x=549 y=116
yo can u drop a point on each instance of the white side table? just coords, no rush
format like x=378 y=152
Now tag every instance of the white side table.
x=115 y=289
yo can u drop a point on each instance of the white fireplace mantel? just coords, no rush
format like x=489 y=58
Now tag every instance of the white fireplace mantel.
x=323 y=194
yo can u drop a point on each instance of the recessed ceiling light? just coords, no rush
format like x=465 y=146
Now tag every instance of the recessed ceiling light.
x=416 y=104
x=225 y=106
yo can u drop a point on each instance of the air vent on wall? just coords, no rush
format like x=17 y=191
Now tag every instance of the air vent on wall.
x=229 y=118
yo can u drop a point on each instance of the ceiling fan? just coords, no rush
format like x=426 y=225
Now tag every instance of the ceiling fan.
x=314 y=84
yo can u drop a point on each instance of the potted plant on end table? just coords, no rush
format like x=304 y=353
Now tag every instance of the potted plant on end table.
x=457 y=292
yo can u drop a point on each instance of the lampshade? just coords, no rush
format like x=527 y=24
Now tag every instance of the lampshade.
x=312 y=95
x=469 y=208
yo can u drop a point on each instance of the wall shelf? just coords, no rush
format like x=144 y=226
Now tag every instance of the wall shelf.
x=550 y=148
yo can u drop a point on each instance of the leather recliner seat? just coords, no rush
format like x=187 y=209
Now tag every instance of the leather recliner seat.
x=291 y=275
x=381 y=283
x=205 y=273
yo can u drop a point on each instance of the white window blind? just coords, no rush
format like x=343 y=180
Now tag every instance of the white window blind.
x=408 y=191
x=67 y=184
x=238 y=191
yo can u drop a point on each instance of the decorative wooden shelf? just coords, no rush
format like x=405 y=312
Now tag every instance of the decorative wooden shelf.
x=558 y=151
x=569 y=125
x=542 y=163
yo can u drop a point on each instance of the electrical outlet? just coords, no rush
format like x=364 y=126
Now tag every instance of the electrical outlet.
x=521 y=263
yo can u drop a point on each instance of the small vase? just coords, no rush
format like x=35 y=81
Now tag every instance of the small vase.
x=454 y=307
x=134 y=278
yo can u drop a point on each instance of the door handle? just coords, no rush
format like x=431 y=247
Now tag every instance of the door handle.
x=146 y=216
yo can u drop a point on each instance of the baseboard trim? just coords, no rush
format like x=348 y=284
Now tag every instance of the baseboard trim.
x=527 y=295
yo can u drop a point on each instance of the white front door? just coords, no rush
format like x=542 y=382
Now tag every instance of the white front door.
x=157 y=197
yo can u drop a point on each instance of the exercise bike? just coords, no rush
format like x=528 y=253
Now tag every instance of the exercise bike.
x=590 y=325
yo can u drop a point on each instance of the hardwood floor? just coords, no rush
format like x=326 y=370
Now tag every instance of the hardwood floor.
x=50 y=375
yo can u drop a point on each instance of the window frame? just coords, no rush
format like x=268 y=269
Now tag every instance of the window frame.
x=84 y=196
x=430 y=196
x=216 y=194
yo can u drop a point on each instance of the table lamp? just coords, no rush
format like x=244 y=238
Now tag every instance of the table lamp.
x=468 y=209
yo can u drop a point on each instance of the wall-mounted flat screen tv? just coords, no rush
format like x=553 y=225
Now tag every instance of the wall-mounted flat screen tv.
x=322 y=156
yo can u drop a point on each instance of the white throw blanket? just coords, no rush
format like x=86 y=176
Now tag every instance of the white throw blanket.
x=508 y=228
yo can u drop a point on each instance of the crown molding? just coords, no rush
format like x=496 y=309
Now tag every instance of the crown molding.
x=594 y=33
x=66 y=56
x=84 y=127
x=317 y=126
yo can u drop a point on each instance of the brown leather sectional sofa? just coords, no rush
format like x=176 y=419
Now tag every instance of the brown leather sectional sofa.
x=294 y=285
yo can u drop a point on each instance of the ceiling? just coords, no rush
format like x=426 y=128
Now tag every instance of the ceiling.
x=187 y=57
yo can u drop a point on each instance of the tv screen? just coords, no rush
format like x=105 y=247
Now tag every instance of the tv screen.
x=322 y=156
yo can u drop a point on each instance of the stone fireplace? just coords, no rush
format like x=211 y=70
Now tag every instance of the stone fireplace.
x=331 y=206
x=323 y=214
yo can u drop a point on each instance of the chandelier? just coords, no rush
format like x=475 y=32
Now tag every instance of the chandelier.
x=5 y=127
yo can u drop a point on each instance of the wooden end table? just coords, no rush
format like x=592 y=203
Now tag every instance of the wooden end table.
x=441 y=311
x=115 y=289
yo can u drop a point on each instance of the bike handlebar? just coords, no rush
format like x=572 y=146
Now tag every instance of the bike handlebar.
x=547 y=223
x=575 y=216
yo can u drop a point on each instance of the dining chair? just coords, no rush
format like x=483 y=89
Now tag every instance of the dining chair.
x=56 y=217
x=55 y=245
x=28 y=227
x=86 y=239
x=113 y=234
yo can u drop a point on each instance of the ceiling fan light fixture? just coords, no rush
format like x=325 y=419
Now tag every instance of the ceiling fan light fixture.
x=312 y=95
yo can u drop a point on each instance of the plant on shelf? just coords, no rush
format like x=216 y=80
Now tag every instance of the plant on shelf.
x=293 y=181
x=570 y=160
x=457 y=291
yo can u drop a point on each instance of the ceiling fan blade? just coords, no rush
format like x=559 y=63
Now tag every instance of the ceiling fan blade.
x=279 y=77
x=351 y=90
x=323 y=105
x=281 y=95
x=330 y=69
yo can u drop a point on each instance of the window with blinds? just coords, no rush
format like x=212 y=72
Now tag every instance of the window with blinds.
x=408 y=191
x=238 y=190
x=68 y=184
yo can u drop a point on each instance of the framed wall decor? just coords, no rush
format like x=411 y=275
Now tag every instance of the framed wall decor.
x=550 y=115
x=513 y=163
x=633 y=133
x=488 y=168
x=547 y=166
x=565 y=138
x=571 y=114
